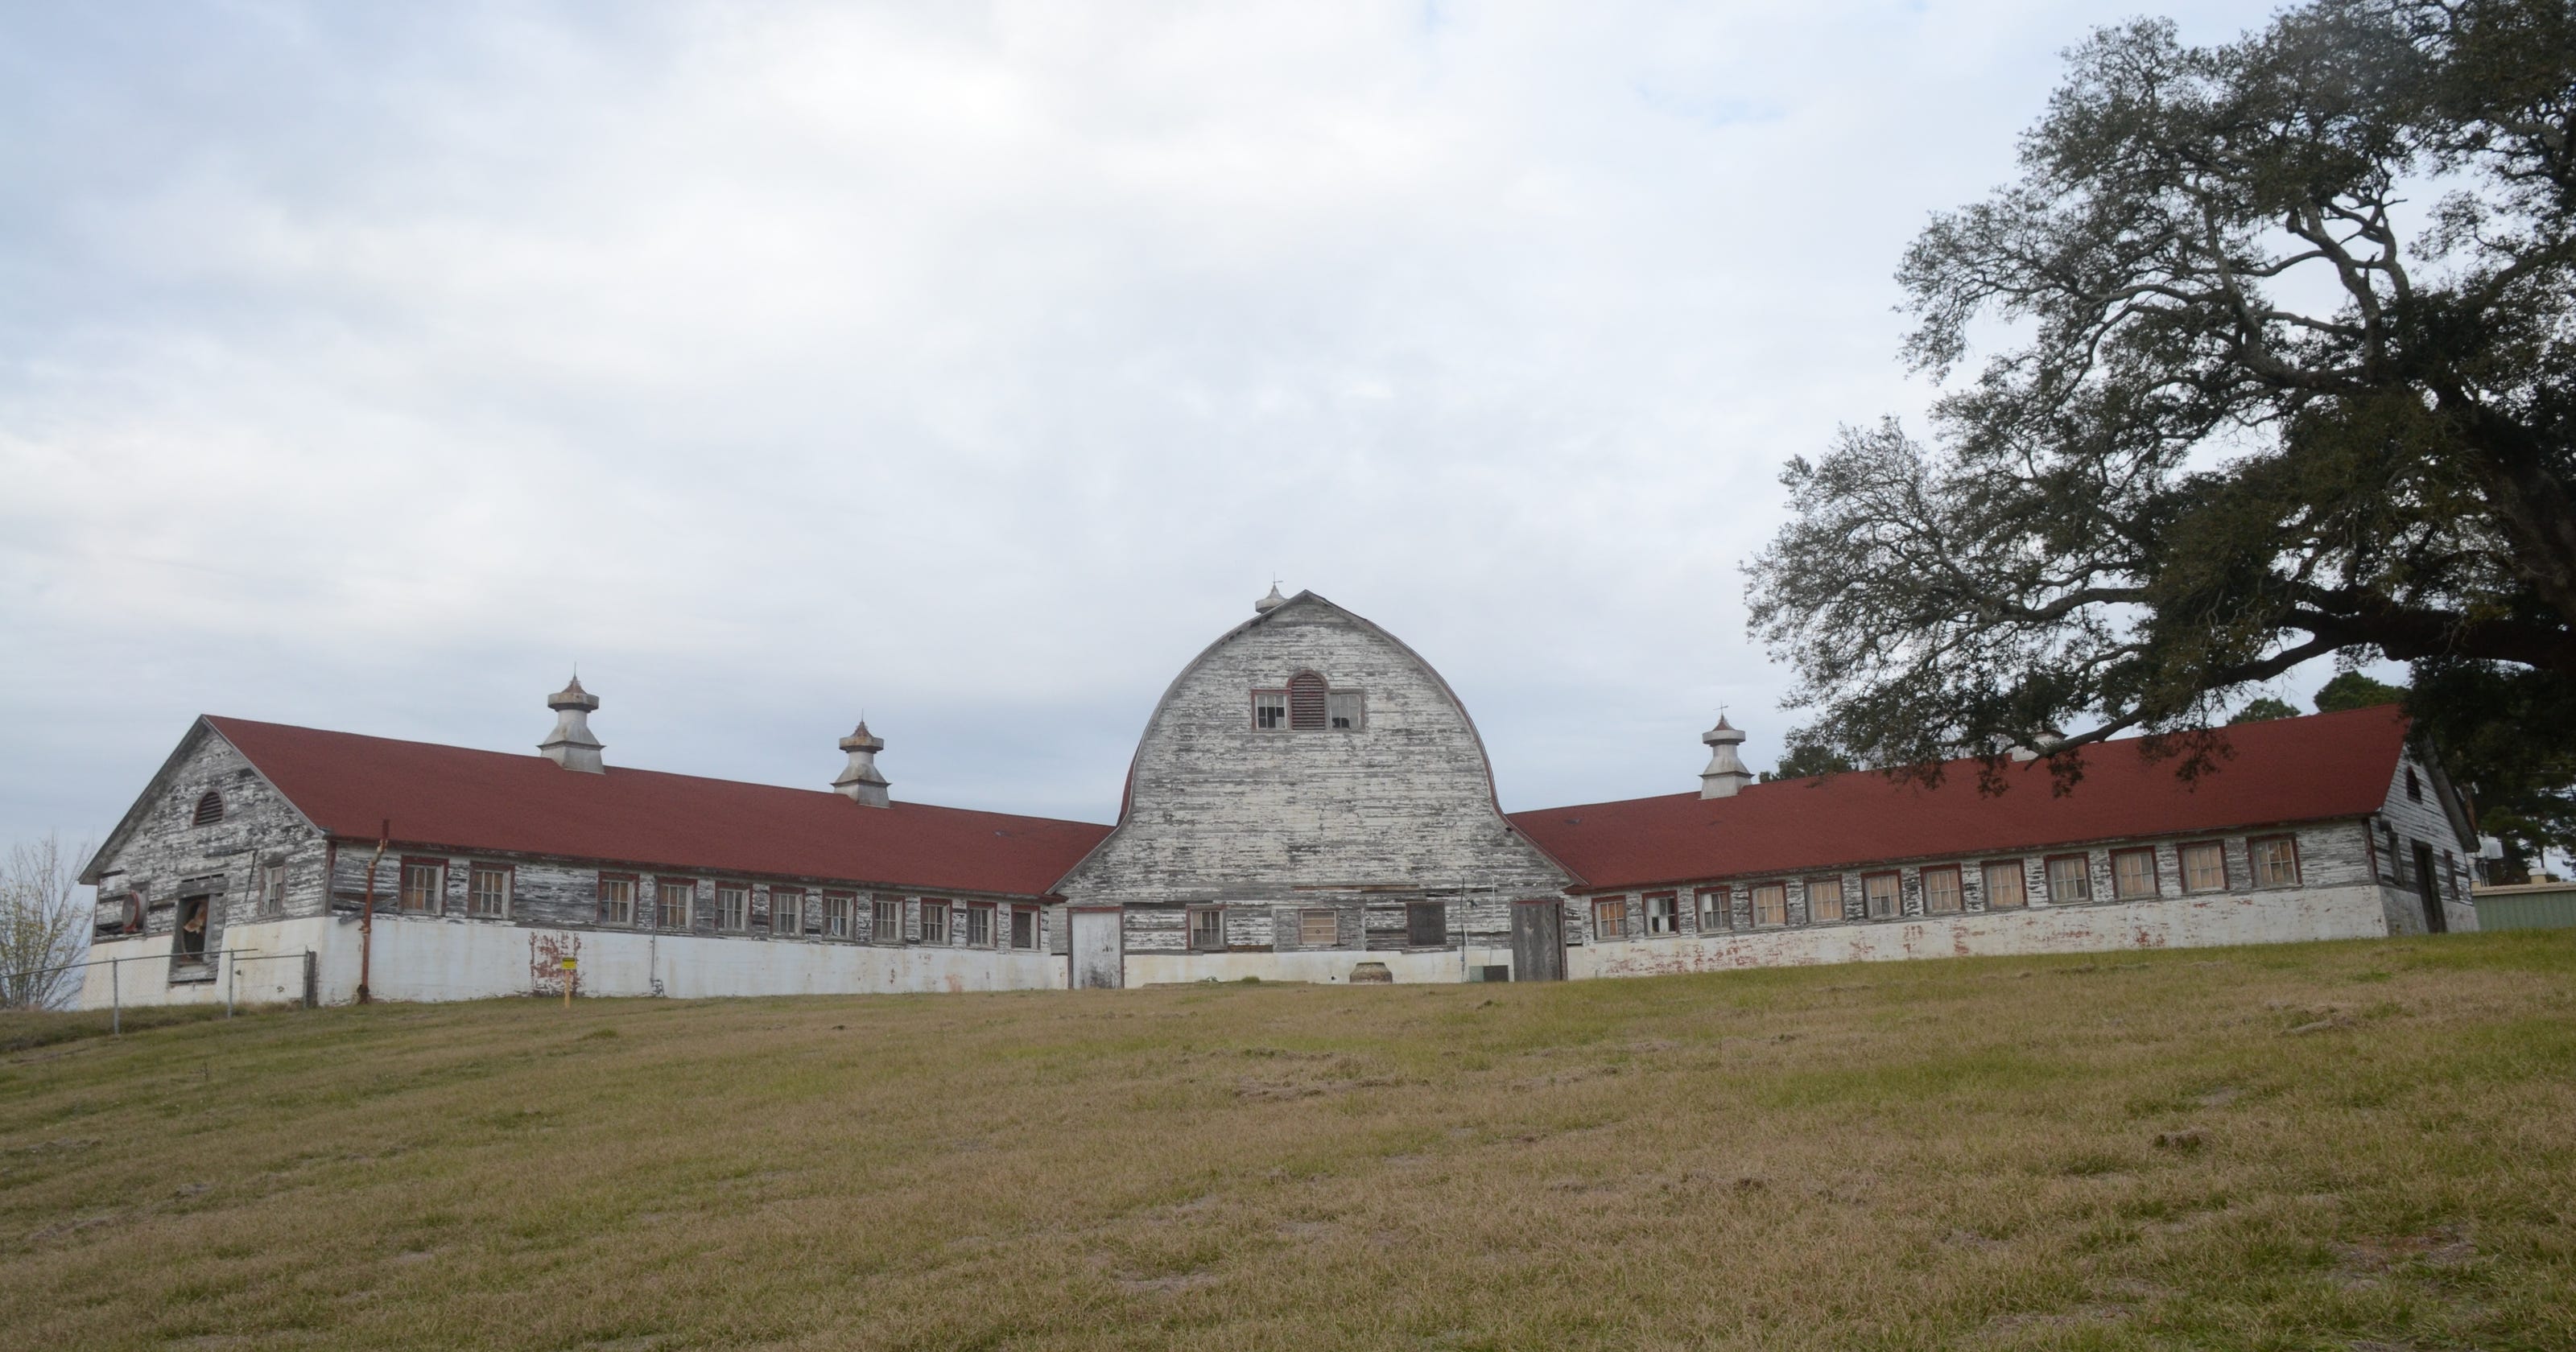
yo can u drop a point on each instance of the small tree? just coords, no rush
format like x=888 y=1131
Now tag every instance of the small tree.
x=2262 y=709
x=44 y=922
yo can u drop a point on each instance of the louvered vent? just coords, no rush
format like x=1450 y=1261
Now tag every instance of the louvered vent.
x=210 y=809
x=1306 y=700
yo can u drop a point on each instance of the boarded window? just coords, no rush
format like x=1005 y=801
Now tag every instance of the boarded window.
x=1885 y=893
x=1207 y=929
x=1269 y=710
x=2005 y=885
x=1024 y=927
x=2204 y=867
x=786 y=911
x=934 y=921
x=616 y=900
x=1426 y=924
x=272 y=890
x=1824 y=900
x=1345 y=710
x=210 y=809
x=1716 y=909
x=836 y=914
x=885 y=921
x=979 y=924
x=2133 y=874
x=1770 y=905
x=2070 y=880
x=1941 y=891
x=1663 y=913
x=674 y=903
x=489 y=895
x=423 y=880
x=2276 y=861
x=2414 y=786
x=1306 y=701
x=1610 y=918
x=733 y=907
x=1318 y=929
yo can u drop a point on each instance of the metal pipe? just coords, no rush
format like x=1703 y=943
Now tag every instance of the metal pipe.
x=231 y=965
x=115 y=1000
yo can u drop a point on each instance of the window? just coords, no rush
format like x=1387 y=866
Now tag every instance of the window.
x=1610 y=918
x=836 y=914
x=272 y=890
x=1344 y=710
x=1941 y=890
x=1770 y=905
x=934 y=921
x=210 y=809
x=1824 y=900
x=1318 y=929
x=616 y=900
x=786 y=912
x=2133 y=874
x=1716 y=909
x=489 y=896
x=1207 y=929
x=1884 y=893
x=2070 y=880
x=733 y=907
x=2414 y=786
x=423 y=881
x=2006 y=887
x=1306 y=702
x=1426 y=924
x=1024 y=927
x=674 y=903
x=1270 y=710
x=979 y=924
x=885 y=921
x=2276 y=861
x=1663 y=913
x=2204 y=867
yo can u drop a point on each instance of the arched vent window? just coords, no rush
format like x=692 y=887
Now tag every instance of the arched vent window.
x=210 y=809
x=1306 y=701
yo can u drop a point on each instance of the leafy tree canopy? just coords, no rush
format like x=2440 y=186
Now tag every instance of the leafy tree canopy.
x=2262 y=709
x=2352 y=690
x=2287 y=328
x=1806 y=759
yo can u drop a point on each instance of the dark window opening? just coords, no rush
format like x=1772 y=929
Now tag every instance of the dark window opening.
x=210 y=809
x=190 y=941
x=1024 y=927
x=2414 y=786
x=1426 y=924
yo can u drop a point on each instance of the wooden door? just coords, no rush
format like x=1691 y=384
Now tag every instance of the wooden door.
x=1538 y=939
x=1098 y=942
x=2428 y=884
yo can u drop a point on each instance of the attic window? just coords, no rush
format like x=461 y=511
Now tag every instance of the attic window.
x=2414 y=788
x=210 y=809
x=1308 y=704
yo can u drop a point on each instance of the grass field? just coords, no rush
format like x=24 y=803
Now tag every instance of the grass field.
x=2365 y=1145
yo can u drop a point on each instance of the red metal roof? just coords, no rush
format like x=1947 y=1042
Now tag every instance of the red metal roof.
x=456 y=798
x=2290 y=770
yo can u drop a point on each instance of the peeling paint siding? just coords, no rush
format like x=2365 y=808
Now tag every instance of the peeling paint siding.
x=2421 y=822
x=166 y=857
x=1218 y=809
x=1320 y=966
x=2278 y=916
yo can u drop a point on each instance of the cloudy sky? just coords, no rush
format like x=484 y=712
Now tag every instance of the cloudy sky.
x=973 y=365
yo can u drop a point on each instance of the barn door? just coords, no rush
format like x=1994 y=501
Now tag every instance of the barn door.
x=1098 y=941
x=2429 y=885
x=1538 y=940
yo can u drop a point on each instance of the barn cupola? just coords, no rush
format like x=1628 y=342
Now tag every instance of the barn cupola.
x=859 y=781
x=572 y=746
x=1269 y=603
x=1725 y=773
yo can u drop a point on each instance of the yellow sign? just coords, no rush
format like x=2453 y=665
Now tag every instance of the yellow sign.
x=567 y=964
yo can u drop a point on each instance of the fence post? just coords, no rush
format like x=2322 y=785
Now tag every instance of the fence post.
x=231 y=965
x=312 y=997
x=115 y=1000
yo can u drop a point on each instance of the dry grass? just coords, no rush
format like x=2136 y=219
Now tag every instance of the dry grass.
x=2330 y=1146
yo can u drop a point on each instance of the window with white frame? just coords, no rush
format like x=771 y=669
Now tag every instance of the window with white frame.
x=272 y=890
x=1663 y=913
x=1345 y=710
x=1716 y=909
x=733 y=907
x=488 y=895
x=2275 y=860
x=2204 y=867
x=1207 y=929
x=836 y=914
x=674 y=903
x=1318 y=929
x=786 y=912
x=2006 y=887
x=1824 y=900
x=1884 y=895
x=1270 y=710
x=423 y=881
x=934 y=921
x=885 y=921
x=979 y=924
x=1610 y=918
x=1770 y=905
x=616 y=899
x=2070 y=879
x=1941 y=894
x=2133 y=874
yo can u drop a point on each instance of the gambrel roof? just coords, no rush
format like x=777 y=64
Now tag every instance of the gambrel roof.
x=456 y=798
x=2291 y=770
